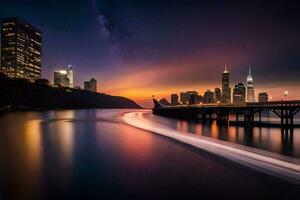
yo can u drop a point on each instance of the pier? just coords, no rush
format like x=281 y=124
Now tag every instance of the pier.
x=244 y=113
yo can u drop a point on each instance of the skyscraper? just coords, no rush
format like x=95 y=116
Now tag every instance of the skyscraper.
x=174 y=100
x=183 y=98
x=64 y=77
x=250 y=87
x=192 y=97
x=61 y=78
x=239 y=94
x=21 y=46
x=86 y=85
x=218 y=95
x=70 y=75
x=263 y=97
x=226 y=90
x=208 y=97
x=91 y=85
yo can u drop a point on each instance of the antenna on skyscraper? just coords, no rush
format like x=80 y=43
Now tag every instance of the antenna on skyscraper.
x=226 y=69
x=249 y=69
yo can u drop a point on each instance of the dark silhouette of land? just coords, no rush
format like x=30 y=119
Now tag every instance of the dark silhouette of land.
x=21 y=94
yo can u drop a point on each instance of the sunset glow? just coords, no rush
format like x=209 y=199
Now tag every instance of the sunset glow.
x=171 y=53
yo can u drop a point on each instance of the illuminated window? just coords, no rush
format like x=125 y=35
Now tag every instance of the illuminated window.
x=9 y=23
x=9 y=34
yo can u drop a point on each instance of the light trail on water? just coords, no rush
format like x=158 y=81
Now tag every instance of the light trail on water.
x=281 y=166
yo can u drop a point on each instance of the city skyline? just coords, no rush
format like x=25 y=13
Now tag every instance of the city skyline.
x=176 y=60
x=243 y=91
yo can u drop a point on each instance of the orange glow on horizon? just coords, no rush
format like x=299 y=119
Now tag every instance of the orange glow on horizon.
x=143 y=96
x=163 y=80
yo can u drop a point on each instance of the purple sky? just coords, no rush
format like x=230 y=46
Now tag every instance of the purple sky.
x=139 y=48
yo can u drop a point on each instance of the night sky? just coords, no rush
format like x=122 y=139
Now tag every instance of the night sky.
x=141 y=48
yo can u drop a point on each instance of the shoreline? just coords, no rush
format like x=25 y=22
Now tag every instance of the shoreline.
x=13 y=109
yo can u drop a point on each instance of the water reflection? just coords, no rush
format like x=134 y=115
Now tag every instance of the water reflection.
x=287 y=140
x=32 y=133
x=88 y=152
x=271 y=139
x=232 y=134
x=136 y=145
x=21 y=154
x=61 y=132
x=182 y=126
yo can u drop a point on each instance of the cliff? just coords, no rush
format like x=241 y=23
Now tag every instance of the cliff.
x=23 y=94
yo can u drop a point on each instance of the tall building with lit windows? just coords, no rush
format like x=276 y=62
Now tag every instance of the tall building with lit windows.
x=21 y=46
x=226 y=90
x=217 y=95
x=250 y=87
x=70 y=74
x=61 y=78
x=64 y=77
x=239 y=94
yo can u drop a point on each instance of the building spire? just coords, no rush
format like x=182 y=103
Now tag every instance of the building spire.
x=226 y=69
x=249 y=69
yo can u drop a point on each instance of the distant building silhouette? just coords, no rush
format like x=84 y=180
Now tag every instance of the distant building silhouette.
x=239 y=94
x=21 y=49
x=86 y=85
x=263 y=97
x=217 y=95
x=91 y=85
x=250 y=87
x=208 y=97
x=192 y=97
x=226 y=90
x=174 y=99
x=183 y=98
x=199 y=99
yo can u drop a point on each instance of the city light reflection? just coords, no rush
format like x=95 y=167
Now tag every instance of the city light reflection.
x=62 y=134
x=33 y=144
x=266 y=162
x=136 y=146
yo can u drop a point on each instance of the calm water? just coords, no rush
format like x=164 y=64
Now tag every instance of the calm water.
x=270 y=139
x=92 y=154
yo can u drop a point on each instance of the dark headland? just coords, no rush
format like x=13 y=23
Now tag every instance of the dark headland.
x=21 y=94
